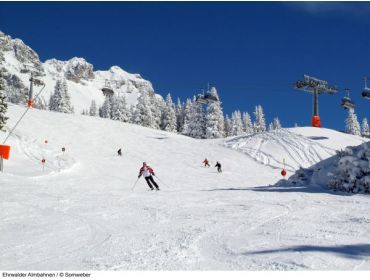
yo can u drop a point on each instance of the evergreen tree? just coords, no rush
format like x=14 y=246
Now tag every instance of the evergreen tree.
x=260 y=123
x=118 y=107
x=93 y=111
x=228 y=126
x=60 y=99
x=214 y=119
x=143 y=113
x=352 y=125
x=247 y=123
x=3 y=104
x=66 y=99
x=271 y=127
x=131 y=114
x=156 y=106
x=179 y=116
x=187 y=112
x=169 y=116
x=276 y=124
x=55 y=103
x=105 y=111
x=365 y=127
x=236 y=123
x=196 y=125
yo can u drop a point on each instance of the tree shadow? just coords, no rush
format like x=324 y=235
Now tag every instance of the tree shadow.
x=318 y=137
x=287 y=189
x=355 y=251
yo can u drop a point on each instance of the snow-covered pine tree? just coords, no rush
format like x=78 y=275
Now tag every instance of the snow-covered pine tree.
x=187 y=112
x=143 y=113
x=131 y=114
x=3 y=104
x=179 y=116
x=93 y=111
x=214 y=119
x=260 y=123
x=228 y=126
x=271 y=127
x=196 y=126
x=66 y=106
x=60 y=99
x=365 y=127
x=169 y=116
x=156 y=106
x=236 y=123
x=105 y=111
x=247 y=123
x=276 y=123
x=55 y=102
x=119 y=110
x=352 y=125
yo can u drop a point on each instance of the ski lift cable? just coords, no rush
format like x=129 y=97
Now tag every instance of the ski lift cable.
x=23 y=115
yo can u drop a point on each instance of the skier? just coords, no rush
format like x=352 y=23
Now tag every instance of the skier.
x=119 y=152
x=206 y=163
x=218 y=165
x=147 y=171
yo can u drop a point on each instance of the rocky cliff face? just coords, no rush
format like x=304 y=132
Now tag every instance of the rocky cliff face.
x=75 y=69
x=84 y=83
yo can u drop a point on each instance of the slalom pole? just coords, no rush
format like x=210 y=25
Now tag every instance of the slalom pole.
x=132 y=189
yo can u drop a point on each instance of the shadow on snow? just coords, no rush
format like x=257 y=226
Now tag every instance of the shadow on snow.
x=355 y=251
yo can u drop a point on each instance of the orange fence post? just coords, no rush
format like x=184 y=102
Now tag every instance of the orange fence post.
x=4 y=154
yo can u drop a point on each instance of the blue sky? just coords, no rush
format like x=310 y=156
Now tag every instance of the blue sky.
x=252 y=52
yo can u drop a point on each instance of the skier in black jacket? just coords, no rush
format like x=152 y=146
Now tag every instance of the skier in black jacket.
x=218 y=165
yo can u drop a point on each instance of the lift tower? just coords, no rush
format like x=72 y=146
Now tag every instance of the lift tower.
x=316 y=87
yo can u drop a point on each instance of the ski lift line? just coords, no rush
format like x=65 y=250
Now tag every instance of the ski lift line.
x=23 y=115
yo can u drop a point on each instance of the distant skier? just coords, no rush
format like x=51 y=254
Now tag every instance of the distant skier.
x=119 y=152
x=147 y=172
x=218 y=165
x=206 y=163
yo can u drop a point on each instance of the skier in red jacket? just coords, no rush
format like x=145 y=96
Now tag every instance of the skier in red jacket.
x=147 y=172
x=206 y=163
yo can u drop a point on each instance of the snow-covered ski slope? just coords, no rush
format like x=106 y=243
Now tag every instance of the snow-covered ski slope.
x=80 y=212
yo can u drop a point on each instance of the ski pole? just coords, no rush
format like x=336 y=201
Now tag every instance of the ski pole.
x=162 y=181
x=135 y=183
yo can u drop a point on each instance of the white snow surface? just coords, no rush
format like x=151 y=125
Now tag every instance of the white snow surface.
x=80 y=212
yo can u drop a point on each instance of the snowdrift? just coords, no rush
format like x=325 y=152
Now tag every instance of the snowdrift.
x=347 y=171
x=299 y=147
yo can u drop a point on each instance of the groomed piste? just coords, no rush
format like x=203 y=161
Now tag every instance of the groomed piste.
x=78 y=211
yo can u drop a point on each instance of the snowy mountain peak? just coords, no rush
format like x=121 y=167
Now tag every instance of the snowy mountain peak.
x=83 y=83
x=75 y=69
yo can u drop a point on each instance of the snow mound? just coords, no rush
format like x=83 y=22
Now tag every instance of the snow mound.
x=271 y=148
x=347 y=171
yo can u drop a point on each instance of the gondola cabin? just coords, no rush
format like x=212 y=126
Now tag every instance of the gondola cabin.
x=209 y=97
x=347 y=103
x=107 y=89
x=366 y=93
